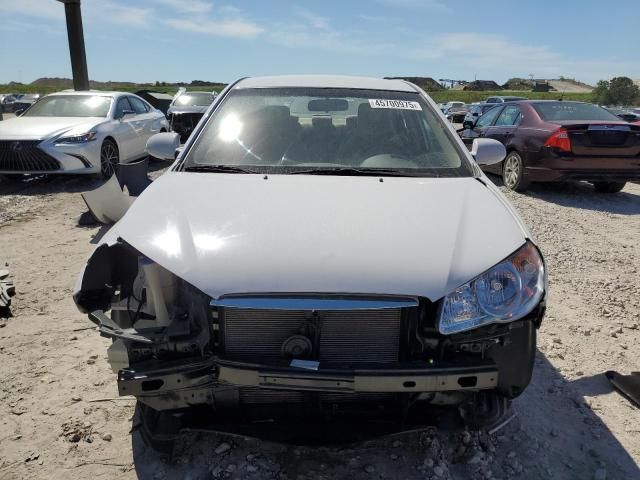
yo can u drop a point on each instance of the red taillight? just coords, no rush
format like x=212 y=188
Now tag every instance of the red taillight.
x=560 y=140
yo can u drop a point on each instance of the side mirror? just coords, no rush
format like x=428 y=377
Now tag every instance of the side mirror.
x=126 y=114
x=487 y=151
x=19 y=112
x=475 y=114
x=163 y=145
x=468 y=124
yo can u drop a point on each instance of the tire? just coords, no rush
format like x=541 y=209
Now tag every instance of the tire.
x=608 y=187
x=109 y=158
x=513 y=175
x=485 y=410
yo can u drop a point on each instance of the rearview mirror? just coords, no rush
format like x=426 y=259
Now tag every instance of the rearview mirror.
x=487 y=151
x=163 y=145
x=328 y=105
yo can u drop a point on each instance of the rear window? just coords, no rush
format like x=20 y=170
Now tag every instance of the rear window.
x=552 y=111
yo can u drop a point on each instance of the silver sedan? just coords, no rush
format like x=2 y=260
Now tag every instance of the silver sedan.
x=78 y=132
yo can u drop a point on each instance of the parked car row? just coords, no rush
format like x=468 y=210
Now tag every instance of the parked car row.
x=78 y=132
x=558 y=141
x=15 y=103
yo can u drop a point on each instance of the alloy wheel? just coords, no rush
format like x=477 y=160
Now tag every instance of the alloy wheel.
x=108 y=159
x=511 y=170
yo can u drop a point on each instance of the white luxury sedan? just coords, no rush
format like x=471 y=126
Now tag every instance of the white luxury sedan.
x=78 y=132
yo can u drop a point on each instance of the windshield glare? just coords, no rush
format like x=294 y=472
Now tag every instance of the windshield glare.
x=70 y=106
x=194 y=99
x=551 y=111
x=288 y=130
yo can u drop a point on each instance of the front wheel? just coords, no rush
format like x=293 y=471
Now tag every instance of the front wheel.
x=608 y=187
x=109 y=158
x=513 y=174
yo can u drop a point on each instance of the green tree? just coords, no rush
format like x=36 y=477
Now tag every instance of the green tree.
x=617 y=91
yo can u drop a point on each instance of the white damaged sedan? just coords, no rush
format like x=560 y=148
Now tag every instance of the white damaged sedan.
x=320 y=242
x=78 y=132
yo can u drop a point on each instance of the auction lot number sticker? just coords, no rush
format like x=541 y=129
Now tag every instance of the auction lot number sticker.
x=395 y=104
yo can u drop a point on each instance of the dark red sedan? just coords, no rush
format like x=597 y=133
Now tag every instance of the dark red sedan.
x=559 y=140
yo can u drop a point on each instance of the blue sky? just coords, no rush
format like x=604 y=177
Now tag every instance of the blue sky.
x=182 y=40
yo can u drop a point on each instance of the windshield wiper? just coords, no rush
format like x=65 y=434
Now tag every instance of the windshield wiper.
x=218 y=168
x=352 y=171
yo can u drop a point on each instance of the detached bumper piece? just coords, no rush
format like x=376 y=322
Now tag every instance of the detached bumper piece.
x=7 y=290
x=110 y=329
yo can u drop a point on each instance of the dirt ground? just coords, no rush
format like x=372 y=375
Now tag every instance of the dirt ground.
x=60 y=416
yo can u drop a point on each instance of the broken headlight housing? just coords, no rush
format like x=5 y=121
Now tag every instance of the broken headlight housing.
x=504 y=293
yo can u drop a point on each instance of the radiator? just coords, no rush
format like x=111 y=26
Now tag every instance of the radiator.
x=351 y=336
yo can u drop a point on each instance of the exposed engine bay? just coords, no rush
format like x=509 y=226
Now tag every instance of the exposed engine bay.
x=175 y=347
x=184 y=123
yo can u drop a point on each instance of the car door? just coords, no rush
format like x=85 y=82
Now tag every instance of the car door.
x=506 y=124
x=123 y=130
x=141 y=122
x=484 y=128
x=484 y=124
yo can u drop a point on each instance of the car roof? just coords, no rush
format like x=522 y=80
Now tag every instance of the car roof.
x=91 y=92
x=326 y=81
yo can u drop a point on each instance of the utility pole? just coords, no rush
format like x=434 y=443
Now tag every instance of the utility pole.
x=76 y=44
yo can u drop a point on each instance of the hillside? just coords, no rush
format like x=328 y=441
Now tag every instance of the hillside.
x=426 y=83
x=54 y=84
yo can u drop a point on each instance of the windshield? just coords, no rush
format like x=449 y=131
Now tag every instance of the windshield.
x=194 y=99
x=70 y=106
x=551 y=111
x=300 y=130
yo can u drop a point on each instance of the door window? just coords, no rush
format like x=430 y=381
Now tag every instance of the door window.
x=122 y=106
x=509 y=116
x=138 y=105
x=488 y=118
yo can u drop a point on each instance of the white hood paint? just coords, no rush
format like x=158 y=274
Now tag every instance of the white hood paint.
x=238 y=233
x=38 y=128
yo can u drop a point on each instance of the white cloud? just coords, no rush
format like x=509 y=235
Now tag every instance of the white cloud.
x=308 y=30
x=435 y=5
x=189 y=6
x=315 y=21
x=36 y=8
x=92 y=10
x=223 y=28
x=495 y=56
x=116 y=12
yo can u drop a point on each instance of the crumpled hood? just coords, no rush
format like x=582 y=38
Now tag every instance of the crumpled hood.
x=191 y=109
x=37 y=128
x=239 y=233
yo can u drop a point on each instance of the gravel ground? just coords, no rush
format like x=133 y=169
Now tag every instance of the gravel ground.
x=60 y=418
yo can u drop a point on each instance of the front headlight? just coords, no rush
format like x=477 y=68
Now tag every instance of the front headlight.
x=85 y=137
x=504 y=293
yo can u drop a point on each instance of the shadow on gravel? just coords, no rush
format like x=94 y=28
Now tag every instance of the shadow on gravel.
x=31 y=185
x=581 y=195
x=555 y=436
